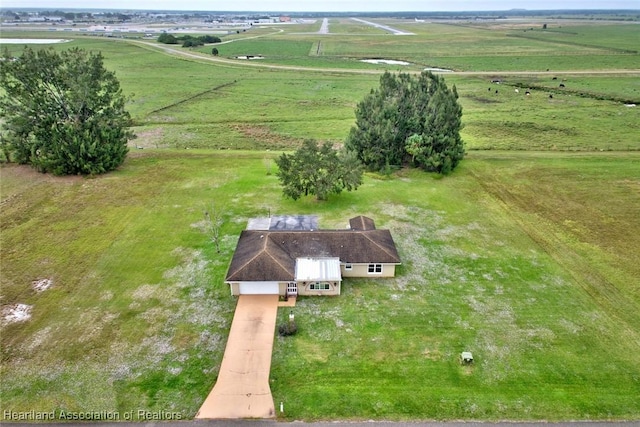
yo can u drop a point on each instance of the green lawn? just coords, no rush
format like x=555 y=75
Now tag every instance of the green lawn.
x=532 y=285
x=543 y=291
x=460 y=46
x=526 y=255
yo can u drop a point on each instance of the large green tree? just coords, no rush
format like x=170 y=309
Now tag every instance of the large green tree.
x=318 y=170
x=63 y=112
x=409 y=119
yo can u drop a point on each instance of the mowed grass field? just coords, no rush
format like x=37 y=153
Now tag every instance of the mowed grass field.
x=461 y=46
x=526 y=255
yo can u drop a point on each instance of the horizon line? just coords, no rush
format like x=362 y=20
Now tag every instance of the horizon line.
x=54 y=8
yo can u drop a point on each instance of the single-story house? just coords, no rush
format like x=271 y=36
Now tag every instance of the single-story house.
x=301 y=260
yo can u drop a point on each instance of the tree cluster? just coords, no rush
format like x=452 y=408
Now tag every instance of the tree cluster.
x=318 y=170
x=167 y=38
x=409 y=119
x=187 y=40
x=62 y=112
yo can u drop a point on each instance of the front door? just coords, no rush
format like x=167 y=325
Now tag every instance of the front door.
x=292 y=289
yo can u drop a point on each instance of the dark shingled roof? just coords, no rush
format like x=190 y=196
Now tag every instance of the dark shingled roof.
x=271 y=255
x=362 y=223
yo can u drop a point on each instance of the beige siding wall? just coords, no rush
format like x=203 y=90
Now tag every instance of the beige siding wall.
x=362 y=270
x=283 y=288
x=235 y=289
x=357 y=270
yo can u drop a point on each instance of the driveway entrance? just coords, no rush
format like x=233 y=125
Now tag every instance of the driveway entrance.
x=242 y=389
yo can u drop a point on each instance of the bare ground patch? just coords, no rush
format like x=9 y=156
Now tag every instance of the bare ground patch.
x=148 y=138
x=41 y=284
x=15 y=313
x=265 y=137
x=483 y=100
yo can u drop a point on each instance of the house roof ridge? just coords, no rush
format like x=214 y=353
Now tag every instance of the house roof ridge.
x=264 y=250
x=274 y=258
x=250 y=260
x=362 y=222
x=365 y=233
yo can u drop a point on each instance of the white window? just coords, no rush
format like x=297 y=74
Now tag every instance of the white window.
x=375 y=269
x=348 y=266
x=320 y=286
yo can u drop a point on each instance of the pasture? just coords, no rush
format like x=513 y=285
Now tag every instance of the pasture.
x=526 y=255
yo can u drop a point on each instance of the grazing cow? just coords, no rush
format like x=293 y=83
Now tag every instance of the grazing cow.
x=496 y=90
x=517 y=91
x=550 y=96
x=561 y=84
x=555 y=78
x=488 y=89
x=527 y=93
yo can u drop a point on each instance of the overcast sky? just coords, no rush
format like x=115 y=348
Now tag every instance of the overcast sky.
x=324 y=5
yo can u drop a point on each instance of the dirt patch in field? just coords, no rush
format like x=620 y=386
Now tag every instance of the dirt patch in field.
x=15 y=313
x=41 y=284
x=149 y=138
x=31 y=176
x=264 y=137
x=430 y=354
x=483 y=100
x=21 y=188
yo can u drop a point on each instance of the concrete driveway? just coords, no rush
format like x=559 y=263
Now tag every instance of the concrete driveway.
x=242 y=389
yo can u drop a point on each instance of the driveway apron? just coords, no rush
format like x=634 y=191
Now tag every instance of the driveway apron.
x=242 y=389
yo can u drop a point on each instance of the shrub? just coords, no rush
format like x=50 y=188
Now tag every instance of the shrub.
x=288 y=328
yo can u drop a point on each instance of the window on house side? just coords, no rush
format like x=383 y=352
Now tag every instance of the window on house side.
x=375 y=268
x=320 y=286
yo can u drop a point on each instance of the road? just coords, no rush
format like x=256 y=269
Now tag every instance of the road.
x=181 y=52
x=324 y=28
x=384 y=27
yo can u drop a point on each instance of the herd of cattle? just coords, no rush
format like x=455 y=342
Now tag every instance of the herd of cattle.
x=517 y=90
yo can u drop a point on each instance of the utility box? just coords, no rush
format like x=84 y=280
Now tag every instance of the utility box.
x=466 y=358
